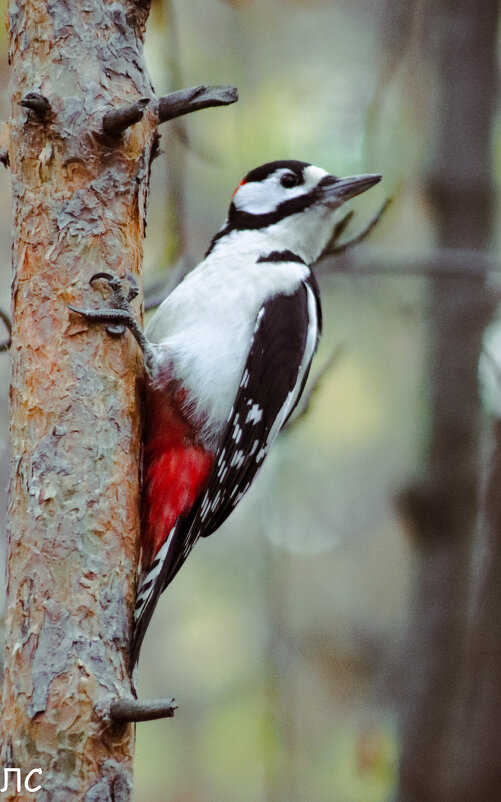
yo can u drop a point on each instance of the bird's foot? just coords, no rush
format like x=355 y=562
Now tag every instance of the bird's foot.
x=120 y=316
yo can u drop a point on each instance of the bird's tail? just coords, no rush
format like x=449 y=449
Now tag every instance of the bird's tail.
x=154 y=580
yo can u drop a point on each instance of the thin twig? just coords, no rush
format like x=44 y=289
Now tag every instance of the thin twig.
x=344 y=246
x=123 y=711
x=314 y=388
x=193 y=99
x=340 y=227
x=116 y=121
x=447 y=263
x=36 y=103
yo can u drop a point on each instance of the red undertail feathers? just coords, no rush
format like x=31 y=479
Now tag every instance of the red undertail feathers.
x=175 y=471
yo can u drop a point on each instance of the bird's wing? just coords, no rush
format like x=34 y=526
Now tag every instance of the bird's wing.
x=277 y=366
x=284 y=341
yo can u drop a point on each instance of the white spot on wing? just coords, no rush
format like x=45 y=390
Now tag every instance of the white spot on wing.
x=237 y=431
x=216 y=500
x=261 y=454
x=204 y=509
x=237 y=460
x=221 y=472
x=255 y=414
x=242 y=492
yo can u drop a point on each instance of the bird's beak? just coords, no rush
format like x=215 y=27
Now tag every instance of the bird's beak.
x=335 y=191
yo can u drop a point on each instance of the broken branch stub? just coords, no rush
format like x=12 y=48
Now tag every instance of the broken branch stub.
x=116 y=121
x=194 y=98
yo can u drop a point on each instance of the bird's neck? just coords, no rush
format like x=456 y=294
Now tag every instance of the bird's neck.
x=305 y=235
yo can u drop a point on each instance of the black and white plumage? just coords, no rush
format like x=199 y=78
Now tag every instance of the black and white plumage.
x=284 y=340
x=227 y=355
x=238 y=336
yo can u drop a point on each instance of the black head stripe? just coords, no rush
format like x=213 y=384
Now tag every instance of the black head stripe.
x=245 y=220
x=260 y=173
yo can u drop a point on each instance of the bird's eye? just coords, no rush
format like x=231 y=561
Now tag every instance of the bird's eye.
x=289 y=180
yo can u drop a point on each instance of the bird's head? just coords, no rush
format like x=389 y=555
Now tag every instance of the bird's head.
x=293 y=204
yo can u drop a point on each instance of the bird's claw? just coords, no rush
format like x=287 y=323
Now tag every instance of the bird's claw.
x=118 y=317
x=116 y=287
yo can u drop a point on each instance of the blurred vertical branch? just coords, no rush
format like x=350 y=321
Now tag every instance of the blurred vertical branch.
x=441 y=509
x=479 y=729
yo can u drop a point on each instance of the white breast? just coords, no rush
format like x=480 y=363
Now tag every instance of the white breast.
x=203 y=330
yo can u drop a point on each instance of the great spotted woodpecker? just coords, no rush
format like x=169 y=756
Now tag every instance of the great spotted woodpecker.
x=227 y=355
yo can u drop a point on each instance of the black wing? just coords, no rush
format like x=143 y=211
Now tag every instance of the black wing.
x=284 y=341
x=274 y=376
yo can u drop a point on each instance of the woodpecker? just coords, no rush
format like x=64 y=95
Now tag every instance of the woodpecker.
x=227 y=356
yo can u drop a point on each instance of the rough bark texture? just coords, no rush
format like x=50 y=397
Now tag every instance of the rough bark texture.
x=78 y=207
x=443 y=508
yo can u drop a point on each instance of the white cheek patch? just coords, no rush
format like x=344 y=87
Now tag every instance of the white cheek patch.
x=258 y=197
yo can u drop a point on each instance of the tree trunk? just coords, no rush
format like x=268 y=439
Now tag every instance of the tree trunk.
x=78 y=207
x=443 y=508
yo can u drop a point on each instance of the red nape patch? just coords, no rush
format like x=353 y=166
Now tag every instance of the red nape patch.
x=242 y=182
x=175 y=472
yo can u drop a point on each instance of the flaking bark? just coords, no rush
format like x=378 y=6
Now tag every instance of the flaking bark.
x=78 y=207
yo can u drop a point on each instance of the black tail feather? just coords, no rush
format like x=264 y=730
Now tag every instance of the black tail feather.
x=177 y=550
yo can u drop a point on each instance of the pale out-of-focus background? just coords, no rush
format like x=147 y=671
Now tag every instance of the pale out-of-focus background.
x=307 y=643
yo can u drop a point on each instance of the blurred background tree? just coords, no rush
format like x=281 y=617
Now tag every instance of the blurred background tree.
x=339 y=640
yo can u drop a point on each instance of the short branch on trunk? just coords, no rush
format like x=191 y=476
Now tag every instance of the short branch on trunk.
x=36 y=103
x=123 y=711
x=193 y=99
x=116 y=121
